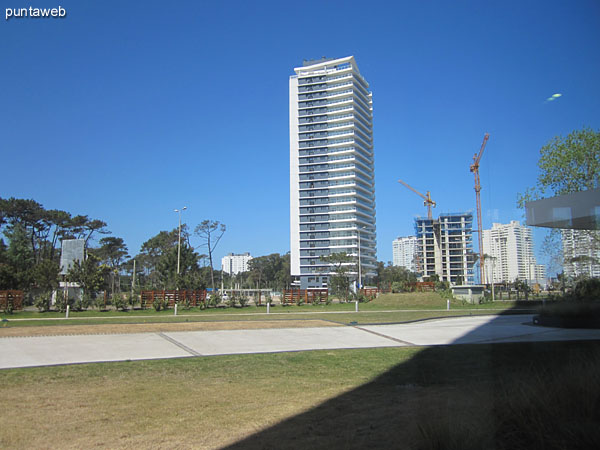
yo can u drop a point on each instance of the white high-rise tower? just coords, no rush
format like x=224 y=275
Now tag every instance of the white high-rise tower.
x=510 y=253
x=332 y=184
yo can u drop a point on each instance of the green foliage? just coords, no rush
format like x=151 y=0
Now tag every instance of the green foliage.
x=339 y=283
x=9 y=307
x=89 y=274
x=132 y=300
x=587 y=290
x=157 y=262
x=215 y=299
x=83 y=302
x=19 y=259
x=388 y=275
x=271 y=271
x=119 y=302
x=442 y=286
x=268 y=299
x=159 y=304
x=45 y=275
x=243 y=300
x=362 y=298
x=567 y=165
x=98 y=302
x=402 y=286
x=231 y=301
x=43 y=228
x=62 y=302
x=42 y=301
x=522 y=287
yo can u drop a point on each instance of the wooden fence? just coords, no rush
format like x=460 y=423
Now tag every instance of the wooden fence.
x=12 y=298
x=370 y=293
x=195 y=298
x=292 y=296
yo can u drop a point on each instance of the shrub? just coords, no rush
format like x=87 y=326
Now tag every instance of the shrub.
x=99 y=302
x=120 y=303
x=231 y=301
x=268 y=299
x=244 y=301
x=8 y=309
x=132 y=300
x=400 y=286
x=157 y=304
x=82 y=303
x=42 y=301
x=587 y=290
x=215 y=299
x=61 y=303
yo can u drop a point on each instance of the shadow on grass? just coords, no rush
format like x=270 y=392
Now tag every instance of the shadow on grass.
x=525 y=395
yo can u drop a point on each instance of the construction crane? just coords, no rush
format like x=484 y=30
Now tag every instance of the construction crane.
x=475 y=170
x=427 y=198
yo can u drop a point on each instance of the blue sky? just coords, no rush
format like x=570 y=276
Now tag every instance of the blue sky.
x=126 y=110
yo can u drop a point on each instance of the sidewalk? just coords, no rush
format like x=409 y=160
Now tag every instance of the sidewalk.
x=54 y=350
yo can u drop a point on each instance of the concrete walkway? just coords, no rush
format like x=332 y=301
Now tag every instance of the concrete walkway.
x=53 y=350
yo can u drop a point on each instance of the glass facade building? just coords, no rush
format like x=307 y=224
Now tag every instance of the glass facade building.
x=332 y=185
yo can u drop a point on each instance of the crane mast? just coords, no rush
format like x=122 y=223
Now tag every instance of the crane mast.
x=475 y=169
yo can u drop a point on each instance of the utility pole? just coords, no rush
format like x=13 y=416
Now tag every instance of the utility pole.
x=133 y=278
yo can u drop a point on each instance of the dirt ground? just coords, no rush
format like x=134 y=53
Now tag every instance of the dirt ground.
x=58 y=330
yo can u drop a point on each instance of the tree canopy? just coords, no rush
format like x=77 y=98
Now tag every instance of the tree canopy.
x=567 y=164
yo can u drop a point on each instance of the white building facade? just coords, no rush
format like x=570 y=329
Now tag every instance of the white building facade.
x=234 y=264
x=332 y=184
x=511 y=256
x=581 y=253
x=404 y=249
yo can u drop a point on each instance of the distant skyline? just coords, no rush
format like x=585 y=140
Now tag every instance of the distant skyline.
x=126 y=112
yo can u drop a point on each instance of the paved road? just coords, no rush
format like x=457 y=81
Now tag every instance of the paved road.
x=53 y=350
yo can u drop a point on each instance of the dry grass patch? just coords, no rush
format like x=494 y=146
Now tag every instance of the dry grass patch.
x=504 y=396
x=188 y=403
x=123 y=328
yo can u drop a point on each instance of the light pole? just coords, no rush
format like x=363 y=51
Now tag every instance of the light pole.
x=359 y=264
x=179 y=238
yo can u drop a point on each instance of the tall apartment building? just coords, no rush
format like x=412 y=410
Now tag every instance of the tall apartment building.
x=445 y=247
x=234 y=264
x=332 y=185
x=510 y=247
x=581 y=253
x=404 y=250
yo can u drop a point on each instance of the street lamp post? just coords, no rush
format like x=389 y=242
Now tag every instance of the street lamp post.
x=359 y=263
x=179 y=238
x=359 y=268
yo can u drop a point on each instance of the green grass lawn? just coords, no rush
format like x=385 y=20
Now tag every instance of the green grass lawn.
x=385 y=309
x=526 y=395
